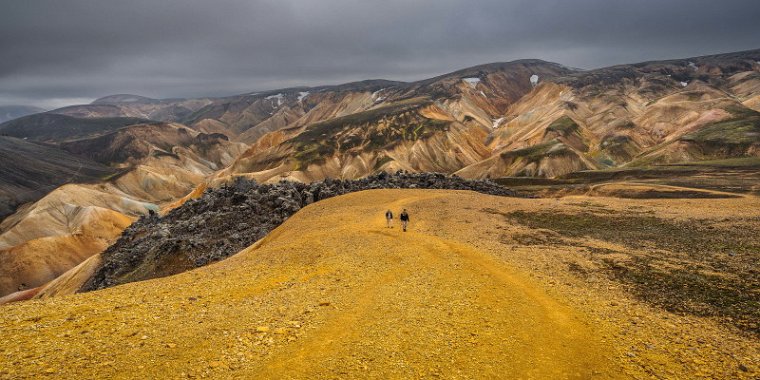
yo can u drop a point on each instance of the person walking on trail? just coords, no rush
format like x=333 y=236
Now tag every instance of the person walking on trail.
x=404 y=217
x=389 y=219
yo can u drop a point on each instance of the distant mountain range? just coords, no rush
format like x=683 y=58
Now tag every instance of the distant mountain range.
x=527 y=119
x=13 y=112
x=522 y=118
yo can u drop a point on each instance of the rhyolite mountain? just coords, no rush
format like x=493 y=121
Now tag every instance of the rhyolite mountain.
x=527 y=118
x=524 y=118
x=106 y=181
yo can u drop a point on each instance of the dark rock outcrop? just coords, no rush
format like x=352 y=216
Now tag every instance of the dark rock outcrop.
x=230 y=218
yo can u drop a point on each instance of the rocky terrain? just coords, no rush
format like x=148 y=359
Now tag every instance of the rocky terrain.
x=676 y=128
x=225 y=220
x=480 y=286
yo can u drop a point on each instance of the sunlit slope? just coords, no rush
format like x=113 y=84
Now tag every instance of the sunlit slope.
x=331 y=292
x=159 y=163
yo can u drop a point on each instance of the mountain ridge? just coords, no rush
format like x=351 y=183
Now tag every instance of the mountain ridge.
x=10 y=112
x=455 y=72
x=525 y=118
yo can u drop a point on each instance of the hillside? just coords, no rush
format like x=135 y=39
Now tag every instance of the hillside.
x=158 y=164
x=133 y=144
x=14 y=112
x=519 y=119
x=526 y=118
x=413 y=135
x=225 y=220
x=29 y=171
x=333 y=293
x=675 y=111
x=166 y=110
x=686 y=127
x=54 y=128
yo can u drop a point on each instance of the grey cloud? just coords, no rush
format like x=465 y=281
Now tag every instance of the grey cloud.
x=55 y=50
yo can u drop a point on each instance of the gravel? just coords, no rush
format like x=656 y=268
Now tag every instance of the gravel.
x=227 y=219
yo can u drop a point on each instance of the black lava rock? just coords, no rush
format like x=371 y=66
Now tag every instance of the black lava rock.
x=225 y=220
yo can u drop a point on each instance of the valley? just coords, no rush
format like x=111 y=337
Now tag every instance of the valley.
x=566 y=223
x=539 y=126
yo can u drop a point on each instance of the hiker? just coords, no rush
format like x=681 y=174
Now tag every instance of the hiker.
x=389 y=219
x=404 y=217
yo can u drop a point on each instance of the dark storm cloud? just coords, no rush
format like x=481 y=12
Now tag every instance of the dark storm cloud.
x=56 y=52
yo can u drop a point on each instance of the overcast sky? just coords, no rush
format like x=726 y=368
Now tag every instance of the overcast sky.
x=57 y=52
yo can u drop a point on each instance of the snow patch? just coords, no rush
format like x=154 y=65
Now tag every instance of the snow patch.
x=684 y=84
x=473 y=82
x=534 y=80
x=483 y=93
x=496 y=122
x=693 y=65
x=302 y=95
x=279 y=98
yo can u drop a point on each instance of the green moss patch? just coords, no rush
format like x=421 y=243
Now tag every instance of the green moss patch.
x=736 y=132
x=368 y=131
x=539 y=151
x=564 y=126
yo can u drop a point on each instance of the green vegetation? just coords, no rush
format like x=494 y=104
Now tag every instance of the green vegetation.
x=627 y=124
x=615 y=141
x=537 y=152
x=563 y=125
x=319 y=131
x=382 y=161
x=743 y=131
x=115 y=175
x=165 y=153
x=620 y=147
x=740 y=162
x=372 y=130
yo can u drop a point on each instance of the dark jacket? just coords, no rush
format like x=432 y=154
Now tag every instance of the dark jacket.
x=388 y=215
x=404 y=216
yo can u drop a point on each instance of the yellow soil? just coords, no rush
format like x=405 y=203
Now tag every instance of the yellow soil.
x=38 y=261
x=332 y=293
x=196 y=193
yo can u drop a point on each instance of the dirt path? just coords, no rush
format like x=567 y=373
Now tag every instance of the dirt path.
x=428 y=306
x=332 y=293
